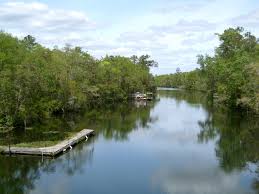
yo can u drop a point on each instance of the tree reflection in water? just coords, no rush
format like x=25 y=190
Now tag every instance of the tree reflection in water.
x=117 y=122
x=236 y=145
x=237 y=140
x=236 y=135
x=19 y=174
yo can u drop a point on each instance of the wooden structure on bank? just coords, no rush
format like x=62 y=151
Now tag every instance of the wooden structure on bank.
x=52 y=150
x=143 y=96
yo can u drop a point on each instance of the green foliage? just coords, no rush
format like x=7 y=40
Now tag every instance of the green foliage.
x=187 y=80
x=36 y=82
x=230 y=76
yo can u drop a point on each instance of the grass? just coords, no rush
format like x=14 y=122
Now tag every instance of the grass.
x=40 y=144
x=36 y=144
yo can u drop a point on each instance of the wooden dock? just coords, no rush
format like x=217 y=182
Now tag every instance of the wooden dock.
x=49 y=151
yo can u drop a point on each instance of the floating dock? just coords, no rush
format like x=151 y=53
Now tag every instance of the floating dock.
x=52 y=150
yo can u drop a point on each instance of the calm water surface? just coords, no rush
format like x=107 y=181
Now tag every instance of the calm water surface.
x=175 y=145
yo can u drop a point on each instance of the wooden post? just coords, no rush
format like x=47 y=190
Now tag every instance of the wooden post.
x=9 y=143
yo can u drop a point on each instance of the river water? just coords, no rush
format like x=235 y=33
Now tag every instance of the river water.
x=177 y=144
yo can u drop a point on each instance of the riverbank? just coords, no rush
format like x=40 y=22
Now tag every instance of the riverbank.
x=216 y=102
x=230 y=76
x=37 y=82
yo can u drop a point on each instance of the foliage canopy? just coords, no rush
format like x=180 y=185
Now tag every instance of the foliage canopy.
x=36 y=82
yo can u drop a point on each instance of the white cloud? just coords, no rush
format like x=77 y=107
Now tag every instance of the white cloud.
x=38 y=19
x=171 y=8
x=183 y=26
x=250 y=20
x=175 y=44
x=173 y=32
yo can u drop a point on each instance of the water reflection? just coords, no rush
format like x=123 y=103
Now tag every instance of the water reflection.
x=178 y=144
x=118 y=122
x=236 y=139
x=114 y=122
x=19 y=174
x=201 y=179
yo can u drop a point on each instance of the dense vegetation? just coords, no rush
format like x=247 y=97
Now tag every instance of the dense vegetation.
x=36 y=82
x=231 y=76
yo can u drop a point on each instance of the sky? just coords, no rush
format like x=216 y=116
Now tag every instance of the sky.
x=172 y=32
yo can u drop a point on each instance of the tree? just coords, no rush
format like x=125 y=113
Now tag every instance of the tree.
x=29 y=42
x=36 y=82
x=144 y=60
x=230 y=76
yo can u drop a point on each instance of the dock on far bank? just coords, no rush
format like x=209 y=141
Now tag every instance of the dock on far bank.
x=52 y=150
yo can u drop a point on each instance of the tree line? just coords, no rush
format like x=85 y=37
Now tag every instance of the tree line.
x=37 y=82
x=230 y=76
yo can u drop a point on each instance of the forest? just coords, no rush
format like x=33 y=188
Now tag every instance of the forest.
x=229 y=77
x=37 y=82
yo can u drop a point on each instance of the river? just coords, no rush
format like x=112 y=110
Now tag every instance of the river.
x=177 y=144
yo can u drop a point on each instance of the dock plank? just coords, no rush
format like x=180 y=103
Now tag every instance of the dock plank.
x=49 y=151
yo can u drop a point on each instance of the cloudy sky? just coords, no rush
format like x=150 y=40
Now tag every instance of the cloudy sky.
x=173 y=32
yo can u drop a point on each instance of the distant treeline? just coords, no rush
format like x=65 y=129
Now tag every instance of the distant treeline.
x=231 y=76
x=36 y=82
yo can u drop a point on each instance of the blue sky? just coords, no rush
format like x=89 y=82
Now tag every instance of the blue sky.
x=173 y=32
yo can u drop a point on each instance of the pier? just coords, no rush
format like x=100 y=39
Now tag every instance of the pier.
x=52 y=150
